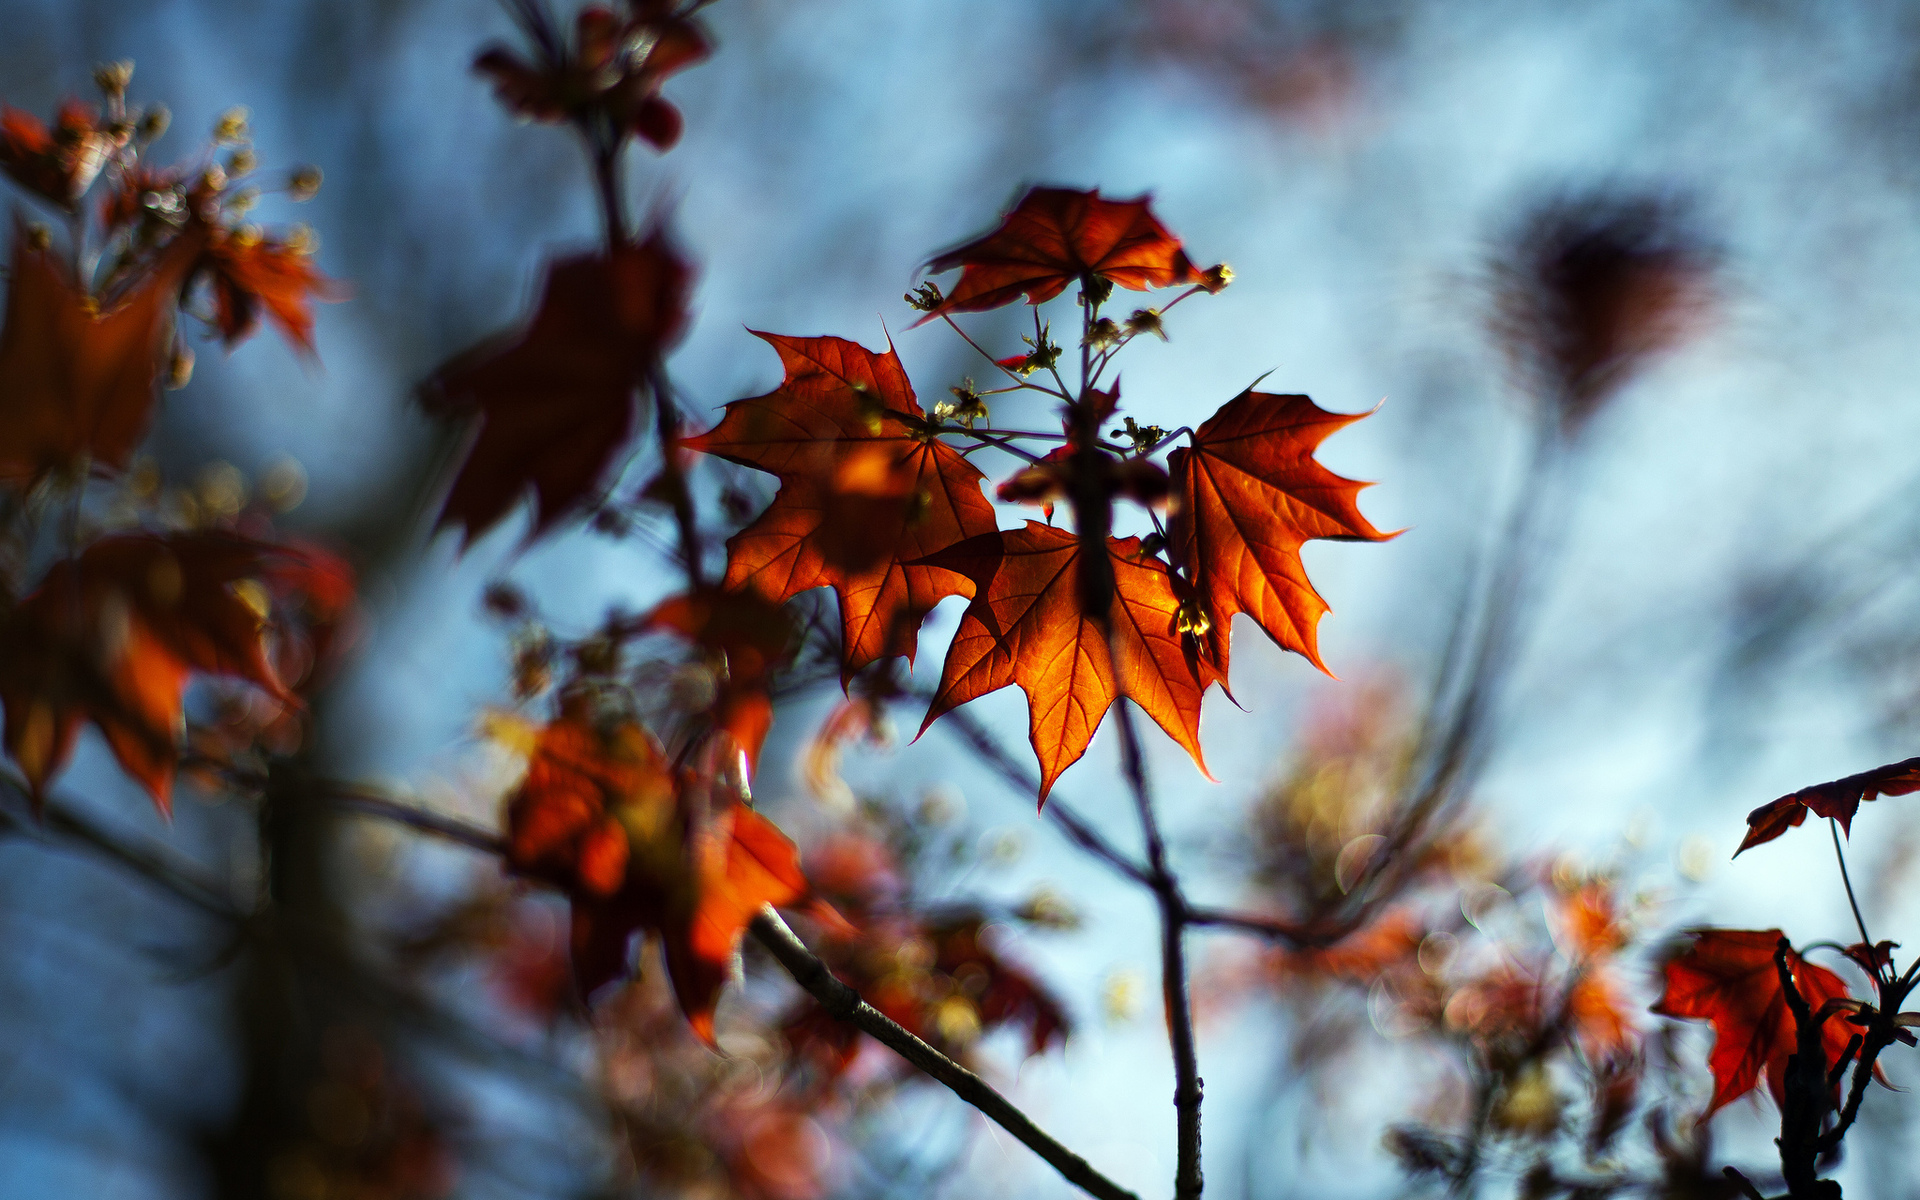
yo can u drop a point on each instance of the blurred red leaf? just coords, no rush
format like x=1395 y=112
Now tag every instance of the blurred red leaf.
x=1025 y=627
x=1839 y=800
x=1248 y=495
x=79 y=374
x=601 y=816
x=1728 y=977
x=113 y=635
x=556 y=404
x=614 y=68
x=1056 y=236
x=865 y=494
x=746 y=639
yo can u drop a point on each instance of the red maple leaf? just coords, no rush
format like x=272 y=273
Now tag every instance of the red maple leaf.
x=79 y=374
x=113 y=636
x=1248 y=495
x=1054 y=237
x=1728 y=977
x=556 y=404
x=1839 y=800
x=601 y=815
x=866 y=494
x=1025 y=627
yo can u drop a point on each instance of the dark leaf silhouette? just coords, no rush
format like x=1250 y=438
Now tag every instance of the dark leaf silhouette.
x=555 y=405
x=1057 y=236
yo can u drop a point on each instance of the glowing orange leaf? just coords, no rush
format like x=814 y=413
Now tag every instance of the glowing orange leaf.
x=1024 y=627
x=865 y=495
x=1248 y=494
x=111 y=637
x=79 y=375
x=1728 y=977
x=601 y=816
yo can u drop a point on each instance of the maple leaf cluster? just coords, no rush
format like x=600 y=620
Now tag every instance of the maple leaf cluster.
x=137 y=604
x=875 y=502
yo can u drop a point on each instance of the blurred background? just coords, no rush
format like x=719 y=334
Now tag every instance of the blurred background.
x=1715 y=602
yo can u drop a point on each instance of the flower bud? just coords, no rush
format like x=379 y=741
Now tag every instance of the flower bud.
x=1215 y=279
x=231 y=126
x=1146 y=320
x=304 y=183
x=112 y=78
x=153 y=123
x=241 y=162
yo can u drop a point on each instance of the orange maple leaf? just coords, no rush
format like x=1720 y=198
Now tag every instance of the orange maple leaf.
x=1728 y=977
x=113 y=636
x=1054 y=237
x=247 y=270
x=556 y=403
x=79 y=375
x=1839 y=799
x=1248 y=494
x=1025 y=627
x=866 y=494
x=601 y=815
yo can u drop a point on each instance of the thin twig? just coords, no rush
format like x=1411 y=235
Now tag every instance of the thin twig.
x=1866 y=939
x=1187 y=1088
x=843 y=1003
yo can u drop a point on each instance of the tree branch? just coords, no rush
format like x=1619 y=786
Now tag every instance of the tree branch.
x=843 y=1003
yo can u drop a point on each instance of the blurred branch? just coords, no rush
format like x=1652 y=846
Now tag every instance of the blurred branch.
x=841 y=1001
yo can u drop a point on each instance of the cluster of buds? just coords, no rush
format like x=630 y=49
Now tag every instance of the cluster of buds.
x=966 y=407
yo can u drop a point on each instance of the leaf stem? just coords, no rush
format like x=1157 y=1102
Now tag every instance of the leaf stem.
x=1833 y=827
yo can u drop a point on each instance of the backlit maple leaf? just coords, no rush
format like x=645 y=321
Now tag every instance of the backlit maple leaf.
x=1057 y=236
x=556 y=403
x=79 y=375
x=112 y=637
x=1728 y=977
x=1248 y=494
x=865 y=494
x=1839 y=800
x=1025 y=627
x=602 y=815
